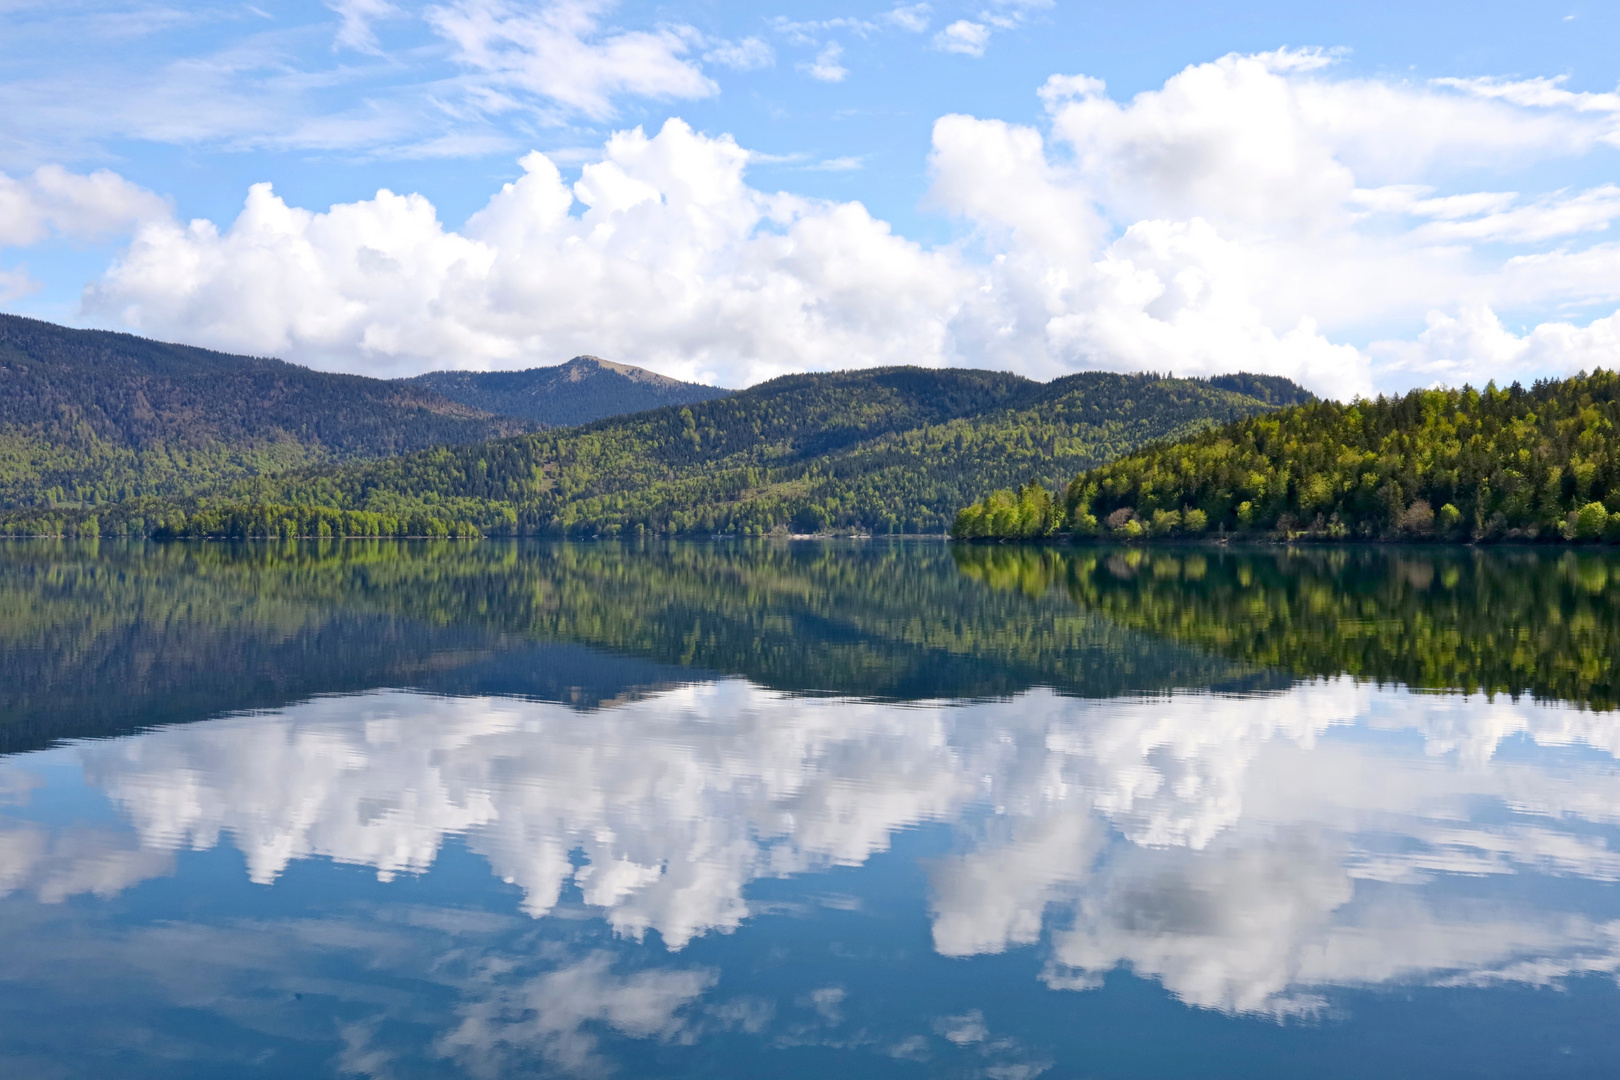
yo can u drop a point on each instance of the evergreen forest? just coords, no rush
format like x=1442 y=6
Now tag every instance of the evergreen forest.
x=887 y=451
x=89 y=418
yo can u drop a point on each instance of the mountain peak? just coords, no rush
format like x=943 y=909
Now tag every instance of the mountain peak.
x=585 y=366
x=578 y=391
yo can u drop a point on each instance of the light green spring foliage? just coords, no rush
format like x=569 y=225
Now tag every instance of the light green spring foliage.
x=1492 y=464
x=1023 y=514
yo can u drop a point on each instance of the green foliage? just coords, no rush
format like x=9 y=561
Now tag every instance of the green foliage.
x=1499 y=464
x=89 y=418
x=1591 y=521
x=891 y=450
x=1023 y=514
x=1506 y=621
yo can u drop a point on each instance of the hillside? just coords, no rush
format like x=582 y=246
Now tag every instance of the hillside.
x=1492 y=464
x=586 y=388
x=890 y=450
x=90 y=417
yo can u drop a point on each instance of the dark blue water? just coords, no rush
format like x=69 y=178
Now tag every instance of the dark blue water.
x=444 y=812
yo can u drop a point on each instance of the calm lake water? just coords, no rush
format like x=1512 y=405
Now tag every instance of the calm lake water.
x=807 y=810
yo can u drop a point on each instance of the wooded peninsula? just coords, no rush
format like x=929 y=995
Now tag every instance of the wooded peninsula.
x=1498 y=464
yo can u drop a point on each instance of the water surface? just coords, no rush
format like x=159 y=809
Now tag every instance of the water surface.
x=729 y=810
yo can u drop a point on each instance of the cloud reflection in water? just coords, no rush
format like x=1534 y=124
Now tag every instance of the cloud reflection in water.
x=1247 y=852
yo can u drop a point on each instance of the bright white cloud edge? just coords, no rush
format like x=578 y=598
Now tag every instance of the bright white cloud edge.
x=1252 y=214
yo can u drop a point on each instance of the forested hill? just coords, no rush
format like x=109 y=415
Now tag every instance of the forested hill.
x=89 y=417
x=881 y=450
x=586 y=388
x=1492 y=464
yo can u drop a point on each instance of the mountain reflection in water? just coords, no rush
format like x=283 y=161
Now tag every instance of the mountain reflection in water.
x=477 y=810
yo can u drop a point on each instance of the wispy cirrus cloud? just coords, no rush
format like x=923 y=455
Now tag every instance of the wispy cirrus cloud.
x=837 y=164
x=826 y=66
x=355 y=29
x=748 y=54
x=822 y=35
x=559 y=53
x=971 y=37
x=455 y=76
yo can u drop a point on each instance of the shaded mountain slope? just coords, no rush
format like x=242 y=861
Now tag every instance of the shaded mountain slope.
x=584 y=389
x=88 y=416
x=892 y=450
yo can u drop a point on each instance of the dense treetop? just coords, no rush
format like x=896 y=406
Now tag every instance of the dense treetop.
x=1493 y=464
x=89 y=417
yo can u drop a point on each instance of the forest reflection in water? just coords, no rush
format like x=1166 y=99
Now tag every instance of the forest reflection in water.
x=692 y=810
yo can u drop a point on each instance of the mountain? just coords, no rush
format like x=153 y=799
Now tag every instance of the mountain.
x=1491 y=464
x=586 y=388
x=892 y=450
x=90 y=417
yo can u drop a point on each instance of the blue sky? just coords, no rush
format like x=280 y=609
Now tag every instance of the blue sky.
x=1360 y=196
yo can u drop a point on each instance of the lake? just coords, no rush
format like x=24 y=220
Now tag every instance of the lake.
x=853 y=809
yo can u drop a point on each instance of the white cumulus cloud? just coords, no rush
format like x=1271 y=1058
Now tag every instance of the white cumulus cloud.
x=1256 y=207
x=827 y=66
x=1473 y=346
x=79 y=206
x=659 y=254
x=1255 y=213
x=962 y=36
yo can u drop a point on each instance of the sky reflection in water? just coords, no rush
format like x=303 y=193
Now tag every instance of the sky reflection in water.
x=722 y=878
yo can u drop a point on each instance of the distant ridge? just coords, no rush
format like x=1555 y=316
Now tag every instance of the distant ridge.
x=584 y=389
